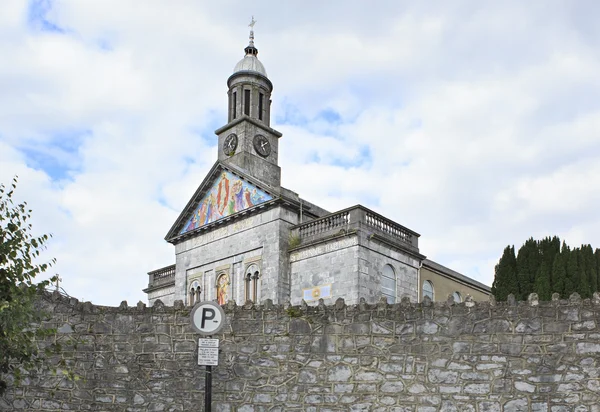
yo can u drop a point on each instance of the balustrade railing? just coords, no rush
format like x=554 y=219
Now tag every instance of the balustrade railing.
x=324 y=224
x=387 y=226
x=162 y=275
x=354 y=218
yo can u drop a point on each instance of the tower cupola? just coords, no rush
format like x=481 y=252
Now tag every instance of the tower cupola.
x=249 y=87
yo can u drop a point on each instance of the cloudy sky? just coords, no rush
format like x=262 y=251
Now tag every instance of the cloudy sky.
x=476 y=124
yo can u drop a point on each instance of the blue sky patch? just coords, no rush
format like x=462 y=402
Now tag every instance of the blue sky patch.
x=39 y=159
x=57 y=157
x=37 y=16
x=362 y=160
x=330 y=116
x=104 y=45
x=211 y=122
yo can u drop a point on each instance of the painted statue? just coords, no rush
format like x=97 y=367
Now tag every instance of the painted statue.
x=239 y=196
x=223 y=193
x=222 y=288
x=248 y=198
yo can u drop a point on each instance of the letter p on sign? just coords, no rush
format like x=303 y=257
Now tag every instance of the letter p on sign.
x=207 y=318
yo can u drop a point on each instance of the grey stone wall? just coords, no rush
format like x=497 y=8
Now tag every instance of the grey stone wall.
x=352 y=264
x=373 y=257
x=332 y=264
x=525 y=356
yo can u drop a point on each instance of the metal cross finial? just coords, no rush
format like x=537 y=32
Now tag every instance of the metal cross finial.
x=251 y=25
x=58 y=280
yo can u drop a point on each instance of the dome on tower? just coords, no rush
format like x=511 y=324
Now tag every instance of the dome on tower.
x=250 y=63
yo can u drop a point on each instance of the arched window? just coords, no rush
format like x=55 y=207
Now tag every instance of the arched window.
x=251 y=277
x=457 y=297
x=388 y=283
x=428 y=289
x=195 y=293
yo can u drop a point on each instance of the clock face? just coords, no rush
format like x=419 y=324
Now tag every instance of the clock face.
x=262 y=145
x=230 y=144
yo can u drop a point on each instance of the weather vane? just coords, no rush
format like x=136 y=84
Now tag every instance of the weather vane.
x=252 y=23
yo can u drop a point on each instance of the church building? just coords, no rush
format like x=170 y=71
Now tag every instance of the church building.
x=244 y=237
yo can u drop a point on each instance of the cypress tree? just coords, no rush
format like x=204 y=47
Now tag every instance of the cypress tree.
x=559 y=271
x=528 y=261
x=542 y=282
x=549 y=250
x=588 y=271
x=505 y=278
x=572 y=280
x=583 y=286
x=545 y=267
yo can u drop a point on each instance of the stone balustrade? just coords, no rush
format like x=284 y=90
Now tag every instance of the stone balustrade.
x=162 y=276
x=351 y=220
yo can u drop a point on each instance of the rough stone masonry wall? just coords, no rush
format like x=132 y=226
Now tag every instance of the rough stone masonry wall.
x=525 y=356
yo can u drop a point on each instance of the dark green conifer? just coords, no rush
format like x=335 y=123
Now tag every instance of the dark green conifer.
x=588 y=271
x=528 y=261
x=559 y=271
x=505 y=279
x=549 y=250
x=542 y=282
x=572 y=280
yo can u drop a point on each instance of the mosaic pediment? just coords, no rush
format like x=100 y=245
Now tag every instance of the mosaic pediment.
x=228 y=195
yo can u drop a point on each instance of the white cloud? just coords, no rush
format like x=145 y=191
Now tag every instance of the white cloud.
x=475 y=126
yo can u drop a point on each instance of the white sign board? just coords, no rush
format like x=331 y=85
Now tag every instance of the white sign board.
x=207 y=318
x=208 y=352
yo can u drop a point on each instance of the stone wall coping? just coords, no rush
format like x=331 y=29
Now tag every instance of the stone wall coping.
x=405 y=305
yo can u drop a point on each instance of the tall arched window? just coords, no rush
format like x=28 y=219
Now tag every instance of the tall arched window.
x=251 y=277
x=428 y=289
x=388 y=283
x=457 y=297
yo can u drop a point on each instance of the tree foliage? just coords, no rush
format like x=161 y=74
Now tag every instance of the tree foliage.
x=19 y=253
x=505 y=279
x=544 y=267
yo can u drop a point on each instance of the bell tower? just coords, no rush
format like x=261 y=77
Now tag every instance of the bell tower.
x=247 y=140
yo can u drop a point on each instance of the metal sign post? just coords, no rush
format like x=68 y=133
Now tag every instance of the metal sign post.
x=208 y=318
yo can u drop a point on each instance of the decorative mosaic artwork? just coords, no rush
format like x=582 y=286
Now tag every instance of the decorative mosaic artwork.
x=228 y=195
x=316 y=293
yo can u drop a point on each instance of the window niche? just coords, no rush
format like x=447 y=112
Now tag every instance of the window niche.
x=251 y=283
x=428 y=289
x=195 y=293
x=222 y=286
x=388 y=283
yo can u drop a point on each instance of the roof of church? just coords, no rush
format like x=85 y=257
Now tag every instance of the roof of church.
x=459 y=276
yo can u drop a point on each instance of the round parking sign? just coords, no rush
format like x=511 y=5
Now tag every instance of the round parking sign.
x=208 y=318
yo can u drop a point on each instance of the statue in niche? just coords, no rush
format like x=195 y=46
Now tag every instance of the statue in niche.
x=222 y=289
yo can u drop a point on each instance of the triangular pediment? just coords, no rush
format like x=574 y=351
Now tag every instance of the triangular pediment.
x=223 y=193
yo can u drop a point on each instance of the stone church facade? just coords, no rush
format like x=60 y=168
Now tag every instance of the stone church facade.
x=244 y=237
